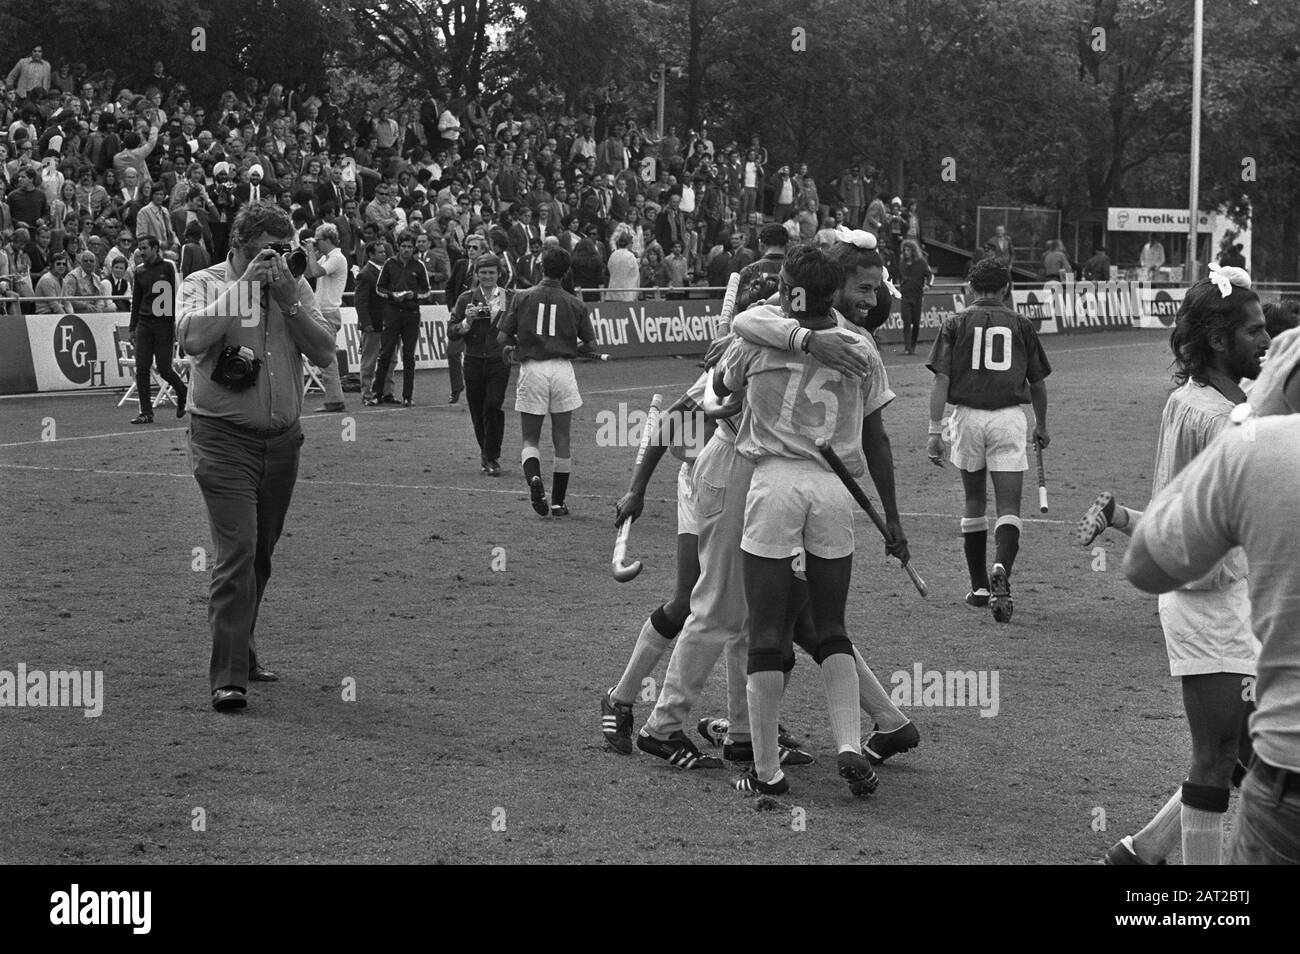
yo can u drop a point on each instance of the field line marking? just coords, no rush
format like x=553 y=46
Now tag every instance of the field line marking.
x=441 y=487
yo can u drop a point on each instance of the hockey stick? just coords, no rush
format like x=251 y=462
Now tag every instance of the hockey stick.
x=1042 y=479
x=624 y=571
x=864 y=501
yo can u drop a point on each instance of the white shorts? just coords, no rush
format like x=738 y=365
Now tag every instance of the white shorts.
x=686 y=522
x=547 y=387
x=794 y=505
x=993 y=439
x=1208 y=631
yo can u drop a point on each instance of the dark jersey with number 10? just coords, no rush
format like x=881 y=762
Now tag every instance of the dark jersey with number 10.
x=548 y=322
x=991 y=355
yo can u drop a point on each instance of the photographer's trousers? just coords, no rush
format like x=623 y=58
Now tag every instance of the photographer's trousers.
x=247 y=482
x=486 y=380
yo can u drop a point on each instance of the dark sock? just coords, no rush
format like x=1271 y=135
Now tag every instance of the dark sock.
x=976 y=544
x=532 y=468
x=559 y=484
x=1007 y=538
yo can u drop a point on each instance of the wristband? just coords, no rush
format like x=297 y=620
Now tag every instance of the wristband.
x=807 y=340
x=936 y=427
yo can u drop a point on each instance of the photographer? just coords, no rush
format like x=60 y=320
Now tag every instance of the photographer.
x=330 y=272
x=476 y=320
x=245 y=437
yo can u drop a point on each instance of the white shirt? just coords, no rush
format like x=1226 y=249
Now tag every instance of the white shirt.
x=688 y=199
x=329 y=287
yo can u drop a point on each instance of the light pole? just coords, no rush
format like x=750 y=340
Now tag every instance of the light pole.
x=1194 y=186
x=660 y=76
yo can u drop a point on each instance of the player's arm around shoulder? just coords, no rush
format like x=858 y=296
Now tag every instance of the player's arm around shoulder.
x=721 y=395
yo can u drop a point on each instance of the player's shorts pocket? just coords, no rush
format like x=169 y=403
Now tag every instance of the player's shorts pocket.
x=709 y=499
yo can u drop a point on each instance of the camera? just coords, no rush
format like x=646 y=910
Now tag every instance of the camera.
x=237 y=368
x=296 y=259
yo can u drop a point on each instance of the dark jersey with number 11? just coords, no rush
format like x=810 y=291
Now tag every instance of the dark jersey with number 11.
x=548 y=322
x=991 y=355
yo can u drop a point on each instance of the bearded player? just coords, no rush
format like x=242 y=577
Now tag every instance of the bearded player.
x=987 y=361
x=797 y=507
x=1218 y=340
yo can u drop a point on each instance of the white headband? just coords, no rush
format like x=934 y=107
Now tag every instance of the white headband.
x=1224 y=277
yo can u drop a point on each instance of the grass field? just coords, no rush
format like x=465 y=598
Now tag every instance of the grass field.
x=477 y=691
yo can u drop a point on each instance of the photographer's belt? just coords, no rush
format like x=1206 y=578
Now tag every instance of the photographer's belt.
x=262 y=432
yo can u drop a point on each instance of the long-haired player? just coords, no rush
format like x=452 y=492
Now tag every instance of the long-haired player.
x=1218 y=340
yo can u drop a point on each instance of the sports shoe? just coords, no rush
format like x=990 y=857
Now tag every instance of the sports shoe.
x=678 y=751
x=616 y=723
x=750 y=785
x=978 y=598
x=744 y=752
x=1097 y=518
x=559 y=510
x=369 y=401
x=142 y=419
x=879 y=746
x=714 y=732
x=407 y=402
x=857 y=771
x=537 y=490
x=1122 y=853
x=494 y=468
x=1000 y=582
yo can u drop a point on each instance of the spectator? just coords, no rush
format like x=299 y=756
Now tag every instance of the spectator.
x=135 y=153
x=327 y=266
x=194 y=254
x=83 y=286
x=677 y=268
x=785 y=194
x=29 y=204
x=588 y=269
x=1003 y=249
x=624 y=271
x=370 y=321
x=153 y=220
x=50 y=286
x=29 y=73
x=119 y=285
x=1097 y=268
x=915 y=275
x=1056 y=264
x=1152 y=258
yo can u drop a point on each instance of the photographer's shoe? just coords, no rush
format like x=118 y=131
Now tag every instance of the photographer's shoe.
x=181 y=400
x=262 y=674
x=331 y=408
x=388 y=399
x=229 y=698
x=494 y=468
x=406 y=402
x=455 y=398
x=142 y=419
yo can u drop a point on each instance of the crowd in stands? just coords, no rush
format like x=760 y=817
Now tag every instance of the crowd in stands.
x=92 y=162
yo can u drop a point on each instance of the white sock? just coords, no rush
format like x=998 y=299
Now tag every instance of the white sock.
x=764 y=692
x=875 y=701
x=840 y=675
x=1202 y=836
x=1125 y=520
x=649 y=649
x=1156 y=842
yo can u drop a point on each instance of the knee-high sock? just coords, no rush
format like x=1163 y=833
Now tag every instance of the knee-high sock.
x=1202 y=820
x=1006 y=533
x=1156 y=842
x=874 y=700
x=532 y=461
x=975 y=540
x=654 y=639
x=764 y=690
x=1125 y=520
x=840 y=675
x=560 y=478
